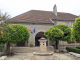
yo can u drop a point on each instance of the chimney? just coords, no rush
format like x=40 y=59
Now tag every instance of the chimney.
x=55 y=10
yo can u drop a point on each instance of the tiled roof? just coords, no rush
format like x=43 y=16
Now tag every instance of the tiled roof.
x=39 y=16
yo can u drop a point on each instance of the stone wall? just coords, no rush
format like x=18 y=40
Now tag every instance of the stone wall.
x=42 y=28
x=39 y=28
x=64 y=22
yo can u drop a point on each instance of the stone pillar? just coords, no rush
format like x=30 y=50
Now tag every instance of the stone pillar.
x=48 y=42
x=42 y=45
x=4 y=50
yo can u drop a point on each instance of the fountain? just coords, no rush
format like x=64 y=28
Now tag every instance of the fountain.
x=43 y=54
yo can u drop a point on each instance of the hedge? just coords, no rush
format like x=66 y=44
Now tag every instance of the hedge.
x=71 y=49
x=1 y=48
x=78 y=47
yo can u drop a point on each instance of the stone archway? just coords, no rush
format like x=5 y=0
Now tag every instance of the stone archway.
x=38 y=36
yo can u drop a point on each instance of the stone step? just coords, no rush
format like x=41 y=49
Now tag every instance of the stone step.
x=28 y=49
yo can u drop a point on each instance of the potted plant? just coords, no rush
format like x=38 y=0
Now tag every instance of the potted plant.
x=70 y=41
x=11 y=54
x=73 y=41
x=57 y=51
x=31 y=45
x=61 y=51
x=78 y=42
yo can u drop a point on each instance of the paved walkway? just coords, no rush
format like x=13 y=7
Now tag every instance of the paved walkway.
x=57 y=56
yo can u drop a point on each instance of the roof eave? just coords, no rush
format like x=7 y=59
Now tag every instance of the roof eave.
x=62 y=19
x=30 y=22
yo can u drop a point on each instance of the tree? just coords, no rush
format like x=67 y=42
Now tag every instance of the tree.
x=14 y=34
x=4 y=21
x=66 y=36
x=1 y=33
x=75 y=33
x=54 y=34
x=66 y=30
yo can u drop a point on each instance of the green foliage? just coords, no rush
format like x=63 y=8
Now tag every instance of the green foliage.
x=58 y=32
x=78 y=47
x=54 y=34
x=1 y=33
x=1 y=40
x=66 y=30
x=4 y=21
x=75 y=33
x=71 y=49
x=31 y=45
x=57 y=51
x=16 y=33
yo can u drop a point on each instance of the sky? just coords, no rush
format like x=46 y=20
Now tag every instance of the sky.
x=17 y=7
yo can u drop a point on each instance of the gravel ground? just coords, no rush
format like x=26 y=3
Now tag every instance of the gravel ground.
x=57 y=56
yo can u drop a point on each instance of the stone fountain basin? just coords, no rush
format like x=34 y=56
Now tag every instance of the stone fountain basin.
x=43 y=56
x=47 y=53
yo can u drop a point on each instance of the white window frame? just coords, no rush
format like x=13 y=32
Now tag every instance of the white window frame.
x=71 y=24
x=67 y=23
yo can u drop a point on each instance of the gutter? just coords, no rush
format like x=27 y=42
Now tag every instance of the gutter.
x=30 y=22
x=62 y=19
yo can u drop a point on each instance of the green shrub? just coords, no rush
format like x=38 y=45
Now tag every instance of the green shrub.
x=1 y=48
x=57 y=51
x=71 y=49
x=75 y=33
x=78 y=47
x=15 y=33
x=31 y=45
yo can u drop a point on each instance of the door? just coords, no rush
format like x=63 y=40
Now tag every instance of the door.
x=36 y=41
x=21 y=44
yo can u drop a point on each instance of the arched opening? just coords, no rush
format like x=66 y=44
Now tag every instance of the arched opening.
x=38 y=36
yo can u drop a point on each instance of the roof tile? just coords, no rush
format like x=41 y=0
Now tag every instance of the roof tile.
x=42 y=16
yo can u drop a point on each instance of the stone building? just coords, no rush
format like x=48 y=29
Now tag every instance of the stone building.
x=42 y=20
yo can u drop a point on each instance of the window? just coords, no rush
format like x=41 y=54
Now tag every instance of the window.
x=67 y=23
x=71 y=24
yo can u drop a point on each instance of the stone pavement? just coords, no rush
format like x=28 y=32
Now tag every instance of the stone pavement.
x=28 y=49
x=27 y=56
x=63 y=56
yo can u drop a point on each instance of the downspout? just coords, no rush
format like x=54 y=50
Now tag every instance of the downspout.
x=52 y=21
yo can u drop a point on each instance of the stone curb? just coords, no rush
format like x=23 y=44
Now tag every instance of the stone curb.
x=3 y=57
x=75 y=54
